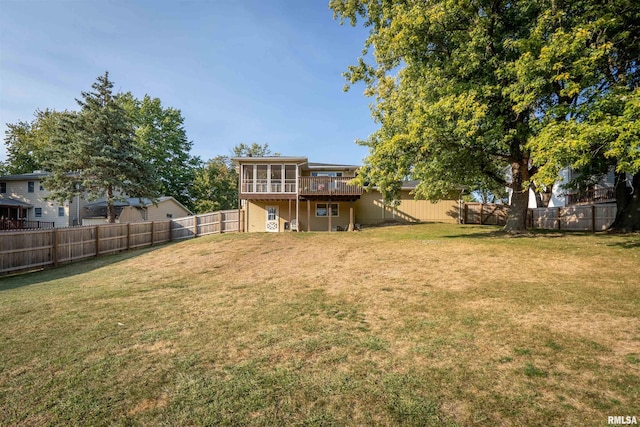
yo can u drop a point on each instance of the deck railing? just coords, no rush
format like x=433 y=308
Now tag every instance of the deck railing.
x=327 y=186
x=598 y=195
x=307 y=186
x=23 y=224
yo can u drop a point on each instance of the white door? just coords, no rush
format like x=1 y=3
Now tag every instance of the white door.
x=273 y=221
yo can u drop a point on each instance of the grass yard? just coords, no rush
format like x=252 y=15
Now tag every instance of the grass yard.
x=425 y=325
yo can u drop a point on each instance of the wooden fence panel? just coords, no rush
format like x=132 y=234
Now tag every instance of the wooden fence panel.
x=545 y=218
x=484 y=213
x=161 y=232
x=30 y=249
x=209 y=223
x=140 y=234
x=605 y=215
x=229 y=221
x=111 y=238
x=577 y=218
x=26 y=249
x=74 y=244
x=183 y=228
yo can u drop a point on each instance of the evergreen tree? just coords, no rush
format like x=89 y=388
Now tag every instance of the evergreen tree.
x=95 y=153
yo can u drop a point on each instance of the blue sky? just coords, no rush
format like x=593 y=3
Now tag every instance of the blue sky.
x=239 y=70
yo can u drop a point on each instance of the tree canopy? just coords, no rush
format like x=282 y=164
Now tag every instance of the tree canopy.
x=464 y=89
x=162 y=140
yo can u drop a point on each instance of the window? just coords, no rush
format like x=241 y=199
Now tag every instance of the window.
x=321 y=209
x=3 y=187
x=60 y=210
x=31 y=186
x=38 y=212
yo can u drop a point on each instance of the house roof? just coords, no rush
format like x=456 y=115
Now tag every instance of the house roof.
x=269 y=159
x=329 y=166
x=135 y=202
x=12 y=203
x=37 y=175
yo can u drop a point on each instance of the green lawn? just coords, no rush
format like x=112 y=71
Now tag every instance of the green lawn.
x=435 y=325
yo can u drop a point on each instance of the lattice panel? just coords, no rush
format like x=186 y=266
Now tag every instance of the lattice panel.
x=272 y=226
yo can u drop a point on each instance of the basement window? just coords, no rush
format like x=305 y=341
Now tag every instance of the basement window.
x=322 y=209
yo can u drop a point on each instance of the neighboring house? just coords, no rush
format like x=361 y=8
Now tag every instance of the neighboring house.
x=134 y=209
x=281 y=193
x=24 y=204
x=601 y=192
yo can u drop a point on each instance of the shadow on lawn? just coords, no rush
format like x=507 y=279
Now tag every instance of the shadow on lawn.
x=29 y=278
x=482 y=232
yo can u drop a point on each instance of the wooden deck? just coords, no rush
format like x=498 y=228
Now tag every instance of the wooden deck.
x=599 y=195
x=327 y=186
x=309 y=187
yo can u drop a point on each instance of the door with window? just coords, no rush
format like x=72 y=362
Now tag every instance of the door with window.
x=273 y=222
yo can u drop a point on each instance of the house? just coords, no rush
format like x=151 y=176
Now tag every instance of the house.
x=602 y=191
x=24 y=204
x=280 y=193
x=135 y=209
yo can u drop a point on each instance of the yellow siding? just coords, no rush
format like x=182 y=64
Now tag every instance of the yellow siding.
x=169 y=206
x=322 y=223
x=371 y=209
x=130 y=214
x=256 y=214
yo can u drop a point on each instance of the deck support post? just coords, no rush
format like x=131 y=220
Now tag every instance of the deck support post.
x=351 y=225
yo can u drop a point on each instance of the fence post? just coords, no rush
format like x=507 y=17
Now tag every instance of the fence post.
x=171 y=230
x=152 y=231
x=559 y=220
x=195 y=226
x=128 y=235
x=481 y=209
x=55 y=247
x=97 y=240
x=593 y=217
x=466 y=212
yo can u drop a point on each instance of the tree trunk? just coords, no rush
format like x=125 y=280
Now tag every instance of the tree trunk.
x=627 y=204
x=517 y=216
x=111 y=209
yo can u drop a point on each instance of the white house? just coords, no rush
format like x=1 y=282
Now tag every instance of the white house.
x=23 y=198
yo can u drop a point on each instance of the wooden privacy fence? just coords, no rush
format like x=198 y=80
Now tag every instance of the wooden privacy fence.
x=30 y=249
x=577 y=217
x=484 y=213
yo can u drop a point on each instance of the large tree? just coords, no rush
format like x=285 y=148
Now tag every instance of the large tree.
x=94 y=153
x=215 y=186
x=26 y=142
x=587 y=54
x=163 y=143
x=456 y=96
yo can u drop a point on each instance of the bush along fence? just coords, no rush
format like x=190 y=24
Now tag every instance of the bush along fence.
x=577 y=217
x=34 y=249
